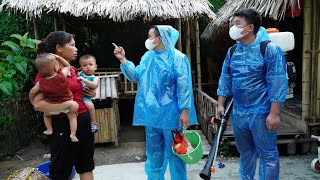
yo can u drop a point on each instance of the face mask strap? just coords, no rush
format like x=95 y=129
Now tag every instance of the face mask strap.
x=244 y=29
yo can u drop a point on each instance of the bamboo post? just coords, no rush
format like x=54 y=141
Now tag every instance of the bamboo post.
x=306 y=59
x=55 y=22
x=313 y=60
x=125 y=85
x=36 y=27
x=188 y=49
x=198 y=54
x=318 y=61
x=178 y=25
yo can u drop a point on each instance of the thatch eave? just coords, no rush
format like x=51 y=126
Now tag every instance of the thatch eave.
x=116 y=10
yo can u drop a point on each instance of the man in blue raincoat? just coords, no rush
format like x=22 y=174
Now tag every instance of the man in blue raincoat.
x=258 y=84
x=164 y=99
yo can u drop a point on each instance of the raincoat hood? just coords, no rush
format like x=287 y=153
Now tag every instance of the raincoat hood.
x=169 y=36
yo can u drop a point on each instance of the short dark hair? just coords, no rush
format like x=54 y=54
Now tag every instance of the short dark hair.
x=48 y=45
x=45 y=63
x=87 y=56
x=251 y=16
x=156 y=30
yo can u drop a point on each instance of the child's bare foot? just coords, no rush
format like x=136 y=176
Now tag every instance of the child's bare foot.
x=47 y=132
x=74 y=138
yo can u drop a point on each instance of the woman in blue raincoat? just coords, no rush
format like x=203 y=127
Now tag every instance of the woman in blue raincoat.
x=258 y=84
x=164 y=99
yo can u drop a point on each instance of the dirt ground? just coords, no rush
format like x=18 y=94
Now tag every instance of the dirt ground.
x=131 y=149
x=105 y=154
x=292 y=167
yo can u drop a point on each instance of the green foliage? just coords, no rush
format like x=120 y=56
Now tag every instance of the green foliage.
x=16 y=60
x=217 y=4
x=12 y=23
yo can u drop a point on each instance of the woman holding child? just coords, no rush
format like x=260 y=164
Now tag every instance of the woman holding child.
x=64 y=152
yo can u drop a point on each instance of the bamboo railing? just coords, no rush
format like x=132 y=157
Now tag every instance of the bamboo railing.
x=125 y=86
x=206 y=107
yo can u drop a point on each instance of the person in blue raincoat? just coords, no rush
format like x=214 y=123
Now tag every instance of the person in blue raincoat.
x=258 y=85
x=164 y=98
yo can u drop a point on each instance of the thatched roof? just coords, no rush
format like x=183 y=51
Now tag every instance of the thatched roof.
x=274 y=9
x=116 y=10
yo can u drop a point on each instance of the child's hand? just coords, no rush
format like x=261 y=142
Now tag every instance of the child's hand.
x=58 y=57
x=80 y=79
x=73 y=106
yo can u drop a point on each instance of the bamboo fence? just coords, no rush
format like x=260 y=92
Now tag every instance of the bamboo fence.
x=27 y=124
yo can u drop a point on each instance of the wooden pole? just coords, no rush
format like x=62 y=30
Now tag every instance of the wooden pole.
x=198 y=55
x=36 y=27
x=55 y=23
x=178 y=25
x=188 y=48
x=306 y=84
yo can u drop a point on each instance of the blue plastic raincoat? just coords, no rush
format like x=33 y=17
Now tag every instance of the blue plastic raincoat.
x=255 y=82
x=165 y=89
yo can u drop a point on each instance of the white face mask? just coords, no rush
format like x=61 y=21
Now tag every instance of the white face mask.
x=149 y=44
x=235 y=32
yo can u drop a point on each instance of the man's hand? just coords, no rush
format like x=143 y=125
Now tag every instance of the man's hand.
x=89 y=92
x=119 y=53
x=272 y=122
x=220 y=112
x=184 y=118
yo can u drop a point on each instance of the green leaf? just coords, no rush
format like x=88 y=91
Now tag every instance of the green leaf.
x=15 y=86
x=10 y=58
x=24 y=41
x=31 y=45
x=15 y=47
x=6 y=88
x=18 y=36
x=6 y=52
x=2 y=66
x=21 y=66
x=26 y=34
x=7 y=75
x=19 y=58
x=36 y=41
x=11 y=71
